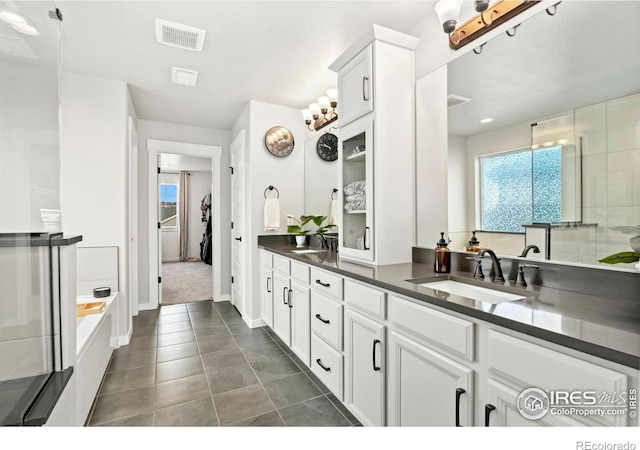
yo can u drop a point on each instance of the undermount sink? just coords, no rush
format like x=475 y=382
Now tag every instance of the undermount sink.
x=470 y=289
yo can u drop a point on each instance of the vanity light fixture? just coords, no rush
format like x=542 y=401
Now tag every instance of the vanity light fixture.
x=18 y=22
x=488 y=17
x=322 y=113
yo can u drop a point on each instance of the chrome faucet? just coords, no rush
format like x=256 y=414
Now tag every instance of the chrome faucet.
x=527 y=248
x=495 y=268
x=323 y=241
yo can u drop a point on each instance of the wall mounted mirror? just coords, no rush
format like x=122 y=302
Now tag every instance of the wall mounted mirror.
x=568 y=84
x=320 y=176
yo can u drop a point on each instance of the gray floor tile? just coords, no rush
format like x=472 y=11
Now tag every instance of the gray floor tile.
x=298 y=362
x=172 y=309
x=181 y=390
x=141 y=344
x=205 y=314
x=174 y=327
x=179 y=368
x=206 y=305
x=270 y=419
x=255 y=337
x=274 y=368
x=170 y=318
x=238 y=327
x=316 y=412
x=175 y=338
x=122 y=404
x=210 y=344
x=320 y=385
x=207 y=322
x=293 y=389
x=141 y=420
x=218 y=331
x=178 y=351
x=242 y=403
x=196 y=413
x=128 y=379
x=123 y=359
x=229 y=378
x=139 y=331
x=263 y=350
x=343 y=409
x=219 y=360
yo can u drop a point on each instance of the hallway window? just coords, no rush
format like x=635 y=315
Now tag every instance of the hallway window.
x=168 y=205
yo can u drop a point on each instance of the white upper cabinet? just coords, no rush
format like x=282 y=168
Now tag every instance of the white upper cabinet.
x=355 y=83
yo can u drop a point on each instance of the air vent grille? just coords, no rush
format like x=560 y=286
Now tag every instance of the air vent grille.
x=184 y=76
x=180 y=36
x=454 y=100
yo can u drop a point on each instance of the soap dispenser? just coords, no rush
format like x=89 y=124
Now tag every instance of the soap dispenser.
x=443 y=256
x=474 y=244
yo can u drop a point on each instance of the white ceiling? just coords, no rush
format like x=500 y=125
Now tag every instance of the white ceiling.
x=587 y=53
x=271 y=51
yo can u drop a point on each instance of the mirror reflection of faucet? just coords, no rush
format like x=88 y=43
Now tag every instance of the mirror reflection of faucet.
x=527 y=248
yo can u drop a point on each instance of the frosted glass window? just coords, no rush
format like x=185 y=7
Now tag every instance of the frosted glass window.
x=520 y=188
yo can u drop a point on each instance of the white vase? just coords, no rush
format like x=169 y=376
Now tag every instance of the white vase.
x=300 y=240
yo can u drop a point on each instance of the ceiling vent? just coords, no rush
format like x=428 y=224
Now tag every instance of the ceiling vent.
x=180 y=36
x=454 y=100
x=184 y=76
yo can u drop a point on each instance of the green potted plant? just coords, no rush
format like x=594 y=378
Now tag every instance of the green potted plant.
x=299 y=230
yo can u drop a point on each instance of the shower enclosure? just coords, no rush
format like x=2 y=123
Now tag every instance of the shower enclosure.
x=32 y=374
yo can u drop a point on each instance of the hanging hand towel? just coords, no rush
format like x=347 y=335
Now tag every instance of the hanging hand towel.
x=333 y=214
x=272 y=214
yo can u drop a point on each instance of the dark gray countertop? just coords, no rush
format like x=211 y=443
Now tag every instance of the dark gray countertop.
x=603 y=327
x=37 y=240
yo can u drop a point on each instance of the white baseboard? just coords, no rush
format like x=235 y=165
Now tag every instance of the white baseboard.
x=223 y=298
x=255 y=323
x=124 y=340
x=146 y=306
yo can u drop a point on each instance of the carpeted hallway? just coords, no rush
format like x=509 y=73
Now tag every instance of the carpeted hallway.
x=186 y=282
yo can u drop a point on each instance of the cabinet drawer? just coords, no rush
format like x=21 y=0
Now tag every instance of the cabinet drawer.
x=266 y=258
x=281 y=264
x=531 y=365
x=443 y=330
x=326 y=319
x=300 y=272
x=327 y=283
x=365 y=298
x=332 y=373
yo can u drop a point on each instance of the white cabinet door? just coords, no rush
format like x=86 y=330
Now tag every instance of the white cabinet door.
x=358 y=192
x=266 y=293
x=355 y=86
x=426 y=388
x=365 y=368
x=300 y=304
x=500 y=409
x=281 y=310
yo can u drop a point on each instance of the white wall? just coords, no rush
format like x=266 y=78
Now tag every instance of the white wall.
x=93 y=170
x=148 y=129
x=261 y=170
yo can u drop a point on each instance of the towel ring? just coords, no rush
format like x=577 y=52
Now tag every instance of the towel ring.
x=271 y=188
x=333 y=192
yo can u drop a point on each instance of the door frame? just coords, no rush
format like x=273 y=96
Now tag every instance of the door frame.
x=237 y=145
x=155 y=147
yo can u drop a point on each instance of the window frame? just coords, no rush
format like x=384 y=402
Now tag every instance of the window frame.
x=168 y=183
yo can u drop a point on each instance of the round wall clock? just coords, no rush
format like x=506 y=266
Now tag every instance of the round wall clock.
x=327 y=147
x=279 y=141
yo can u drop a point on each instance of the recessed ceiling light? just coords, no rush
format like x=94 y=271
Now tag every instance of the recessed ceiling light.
x=12 y=17
x=486 y=120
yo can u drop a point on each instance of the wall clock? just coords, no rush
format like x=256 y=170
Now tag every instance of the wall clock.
x=279 y=141
x=327 y=147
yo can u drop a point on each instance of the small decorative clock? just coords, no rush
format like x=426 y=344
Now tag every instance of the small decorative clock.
x=279 y=141
x=327 y=147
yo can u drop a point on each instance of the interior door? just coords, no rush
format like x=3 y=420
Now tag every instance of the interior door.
x=159 y=233
x=237 y=227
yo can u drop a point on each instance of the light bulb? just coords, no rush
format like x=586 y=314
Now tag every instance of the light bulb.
x=306 y=115
x=324 y=104
x=315 y=110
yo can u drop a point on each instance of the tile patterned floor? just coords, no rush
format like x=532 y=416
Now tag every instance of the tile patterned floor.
x=199 y=364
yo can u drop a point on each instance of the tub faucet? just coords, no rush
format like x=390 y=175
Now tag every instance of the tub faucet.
x=497 y=270
x=529 y=247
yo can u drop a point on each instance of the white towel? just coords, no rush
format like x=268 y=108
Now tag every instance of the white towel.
x=272 y=214
x=333 y=214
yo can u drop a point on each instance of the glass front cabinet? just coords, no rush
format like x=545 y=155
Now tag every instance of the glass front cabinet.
x=356 y=182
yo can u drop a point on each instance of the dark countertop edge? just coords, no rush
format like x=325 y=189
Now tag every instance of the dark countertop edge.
x=43 y=406
x=566 y=341
x=22 y=240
